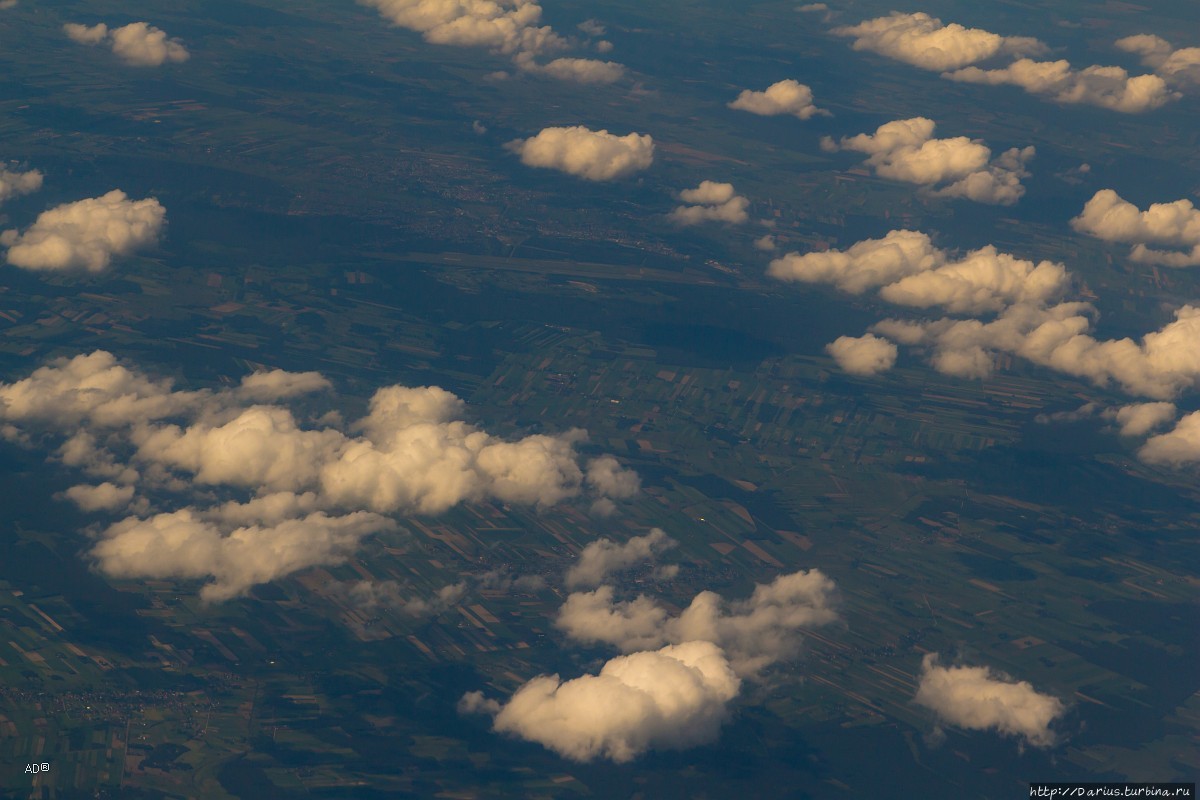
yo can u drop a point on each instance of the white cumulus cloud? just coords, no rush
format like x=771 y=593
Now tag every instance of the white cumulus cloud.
x=86 y=34
x=925 y=42
x=1138 y=419
x=1109 y=217
x=1178 y=446
x=673 y=698
x=14 y=184
x=577 y=70
x=309 y=491
x=591 y=155
x=911 y=271
x=1107 y=87
x=905 y=150
x=103 y=497
x=975 y=698
x=863 y=355
x=138 y=44
x=1031 y=322
x=1163 y=364
x=603 y=557
x=87 y=234
x=507 y=26
x=511 y=27
x=784 y=97
x=1179 y=66
x=711 y=202
x=183 y=544
x=755 y=632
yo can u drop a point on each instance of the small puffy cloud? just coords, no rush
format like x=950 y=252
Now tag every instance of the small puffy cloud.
x=809 y=8
x=1180 y=67
x=7 y=4
x=592 y=28
x=576 y=70
x=278 y=384
x=765 y=243
x=603 y=557
x=785 y=97
x=673 y=698
x=913 y=272
x=505 y=26
x=977 y=699
x=104 y=497
x=1109 y=217
x=84 y=34
x=591 y=155
x=864 y=355
x=711 y=202
x=923 y=41
x=607 y=481
x=86 y=235
x=143 y=45
x=15 y=184
x=1107 y=87
x=310 y=492
x=511 y=27
x=755 y=632
x=905 y=150
x=138 y=44
x=1139 y=419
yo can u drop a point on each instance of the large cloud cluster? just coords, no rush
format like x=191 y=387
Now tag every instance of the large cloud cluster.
x=923 y=41
x=511 y=27
x=1178 y=66
x=905 y=150
x=1107 y=87
x=87 y=234
x=976 y=699
x=138 y=44
x=1109 y=217
x=673 y=688
x=952 y=50
x=711 y=202
x=1030 y=320
x=15 y=184
x=672 y=698
x=755 y=632
x=913 y=272
x=784 y=97
x=314 y=491
x=584 y=153
x=1163 y=364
